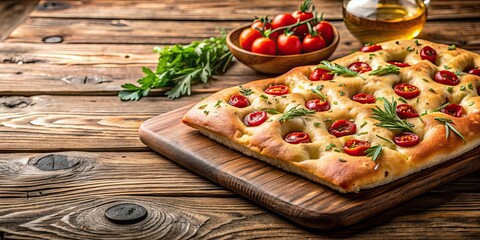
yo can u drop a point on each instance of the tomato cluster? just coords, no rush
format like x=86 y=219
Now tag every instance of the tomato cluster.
x=288 y=33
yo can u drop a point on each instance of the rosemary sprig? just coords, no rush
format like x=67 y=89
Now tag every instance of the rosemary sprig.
x=374 y=152
x=294 y=112
x=386 y=70
x=389 y=119
x=448 y=126
x=337 y=69
x=316 y=91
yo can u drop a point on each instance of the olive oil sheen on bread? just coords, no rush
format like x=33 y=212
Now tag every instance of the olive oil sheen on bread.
x=378 y=21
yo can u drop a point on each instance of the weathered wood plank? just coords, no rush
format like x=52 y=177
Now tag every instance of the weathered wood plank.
x=57 y=123
x=172 y=32
x=67 y=174
x=227 y=10
x=435 y=216
x=12 y=14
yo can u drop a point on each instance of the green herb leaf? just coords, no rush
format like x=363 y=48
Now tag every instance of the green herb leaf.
x=452 y=47
x=330 y=146
x=272 y=111
x=337 y=69
x=448 y=126
x=374 y=152
x=314 y=90
x=217 y=105
x=245 y=91
x=384 y=139
x=389 y=69
x=294 y=112
x=180 y=66
x=388 y=117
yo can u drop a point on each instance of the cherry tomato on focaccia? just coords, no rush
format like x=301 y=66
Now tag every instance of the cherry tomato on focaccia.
x=364 y=98
x=360 y=67
x=406 y=111
x=325 y=29
x=371 y=48
x=356 y=147
x=282 y=20
x=277 y=90
x=264 y=45
x=399 y=64
x=342 y=128
x=321 y=74
x=318 y=105
x=247 y=37
x=289 y=44
x=255 y=118
x=406 y=139
x=453 y=110
x=428 y=53
x=446 y=77
x=313 y=43
x=406 y=90
x=474 y=71
x=238 y=101
x=297 y=137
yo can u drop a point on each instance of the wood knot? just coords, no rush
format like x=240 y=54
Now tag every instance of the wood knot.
x=52 y=39
x=55 y=162
x=52 y=6
x=126 y=213
x=16 y=102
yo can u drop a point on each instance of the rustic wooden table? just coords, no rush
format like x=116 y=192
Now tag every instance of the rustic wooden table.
x=70 y=150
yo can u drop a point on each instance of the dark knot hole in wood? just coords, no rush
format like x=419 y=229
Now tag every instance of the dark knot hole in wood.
x=54 y=162
x=126 y=213
x=52 y=6
x=52 y=39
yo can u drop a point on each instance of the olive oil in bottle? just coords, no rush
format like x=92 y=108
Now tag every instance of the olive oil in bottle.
x=377 y=21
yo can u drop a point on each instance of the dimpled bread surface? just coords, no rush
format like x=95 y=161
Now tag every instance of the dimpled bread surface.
x=322 y=160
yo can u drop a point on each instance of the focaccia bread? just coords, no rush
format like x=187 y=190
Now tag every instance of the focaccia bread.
x=352 y=129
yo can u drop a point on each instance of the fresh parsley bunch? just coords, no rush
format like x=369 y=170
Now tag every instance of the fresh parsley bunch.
x=180 y=66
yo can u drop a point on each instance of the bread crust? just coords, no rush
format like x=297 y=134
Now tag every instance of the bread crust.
x=215 y=118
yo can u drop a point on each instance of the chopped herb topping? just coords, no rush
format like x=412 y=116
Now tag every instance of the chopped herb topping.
x=425 y=80
x=342 y=160
x=389 y=69
x=409 y=48
x=470 y=86
x=314 y=90
x=316 y=124
x=272 y=111
x=432 y=90
x=330 y=146
x=374 y=152
x=471 y=104
x=245 y=91
x=335 y=102
x=402 y=100
x=384 y=139
x=450 y=89
x=463 y=88
x=446 y=67
x=452 y=47
x=416 y=42
x=203 y=106
x=264 y=96
x=361 y=133
x=206 y=112
x=459 y=73
x=363 y=124
x=217 y=105
x=341 y=93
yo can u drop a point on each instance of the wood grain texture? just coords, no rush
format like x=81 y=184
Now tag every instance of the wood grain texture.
x=227 y=10
x=56 y=123
x=173 y=32
x=13 y=13
x=294 y=197
x=94 y=173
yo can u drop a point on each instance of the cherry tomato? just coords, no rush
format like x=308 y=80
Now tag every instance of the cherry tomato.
x=312 y=43
x=321 y=74
x=289 y=44
x=238 y=101
x=297 y=137
x=318 y=105
x=360 y=67
x=356 y=147
x=264 y=46
x=371 y=48
x=282 y=20
x=399 y=64
x=406 y=139
x=255 y=118
x=428 y=53
x=301 y=16
x=247 y=37
x=342 y=128
x=453 y=110
x=364 y=98
x=406 y=90
x=406 y=111
x=277 y=90
x=325 y=30
x=446 y=77
x=268 y=26
x=474 y=71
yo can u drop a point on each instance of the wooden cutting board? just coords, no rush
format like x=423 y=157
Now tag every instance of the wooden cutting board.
x=292 y=196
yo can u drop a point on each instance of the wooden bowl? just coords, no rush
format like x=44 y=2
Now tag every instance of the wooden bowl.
x=276 y=64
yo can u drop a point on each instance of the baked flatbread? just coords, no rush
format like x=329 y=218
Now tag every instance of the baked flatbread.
x=320 y=129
